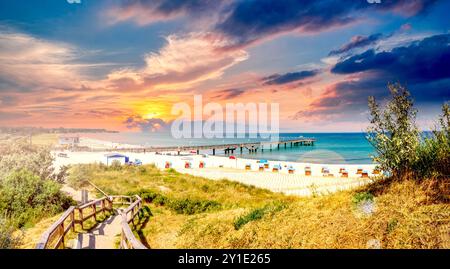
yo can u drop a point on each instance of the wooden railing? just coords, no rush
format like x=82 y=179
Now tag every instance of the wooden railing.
x=127 y=238
x=54 y=237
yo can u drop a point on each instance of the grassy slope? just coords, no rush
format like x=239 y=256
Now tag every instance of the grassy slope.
x=402 y=217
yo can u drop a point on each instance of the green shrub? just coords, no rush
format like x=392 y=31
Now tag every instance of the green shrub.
x=362 y=197
x=7 y=239
x=258 y=213
x=192 y=206
x=181 y=206
x=24 y=198
x=401 y=150
x=433 y=155
x=21 y=155
x=115 y=166
x=79 y=175
x=393 y=132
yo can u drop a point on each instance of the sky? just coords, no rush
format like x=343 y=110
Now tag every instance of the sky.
x=122 y=65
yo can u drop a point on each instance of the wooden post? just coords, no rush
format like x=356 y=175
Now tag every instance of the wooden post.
x=62 y=233
x=72 y=220
x=80 y=211
x=95 y=212
x=84 y=196
x=103 y=208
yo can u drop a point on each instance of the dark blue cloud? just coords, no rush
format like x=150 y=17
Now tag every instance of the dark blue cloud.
x=251 y=20
x=169 y=7
x=422 y=61
x=278 y=79
x=145 y=125
x=423 y=67
x=357 y=42
x=229 y=93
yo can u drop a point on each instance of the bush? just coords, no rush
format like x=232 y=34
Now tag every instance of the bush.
x=393 y=132
x=21 y=155
x=24 y=198
x=7 y=239
x=401 y=150
x=181 y=206
x=192 y=206
x=79 y=175
x=362 y=197
x=115 y=165
x=258 y=213
x=433 y=155
x=253 y=215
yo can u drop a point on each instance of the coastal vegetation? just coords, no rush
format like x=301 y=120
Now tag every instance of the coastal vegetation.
x=401 y=149
x=407 y=209
x=398 y=215
x=29 y=188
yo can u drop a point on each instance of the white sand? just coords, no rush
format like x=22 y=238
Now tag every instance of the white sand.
x=102 y=144
x=217 y=167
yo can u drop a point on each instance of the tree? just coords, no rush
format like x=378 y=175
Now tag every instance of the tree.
x=393 y=132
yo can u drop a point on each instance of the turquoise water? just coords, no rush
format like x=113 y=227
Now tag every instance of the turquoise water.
x=330 y=148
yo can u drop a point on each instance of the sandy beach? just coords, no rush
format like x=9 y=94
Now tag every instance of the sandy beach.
x=246 y=171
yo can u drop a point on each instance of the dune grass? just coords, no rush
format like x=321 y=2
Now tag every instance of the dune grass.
x=401 y=216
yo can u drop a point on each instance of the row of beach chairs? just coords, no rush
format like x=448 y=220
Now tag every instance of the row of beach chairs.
x=343 y=172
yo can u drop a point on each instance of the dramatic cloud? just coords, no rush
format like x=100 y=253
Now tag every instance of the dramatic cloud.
x=182 y=61
x=144 y=12
x=228 y=94
x=249 y=21
x=28 y=63
x=278 y=79
x=425 y=60
x=356 y=42
x=424 y=66
x=145 y=125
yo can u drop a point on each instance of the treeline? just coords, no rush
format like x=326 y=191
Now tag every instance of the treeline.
x=402 y=150
x=41 y=130
x=29 y=189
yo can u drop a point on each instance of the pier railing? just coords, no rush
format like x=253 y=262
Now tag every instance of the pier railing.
x=297 y=142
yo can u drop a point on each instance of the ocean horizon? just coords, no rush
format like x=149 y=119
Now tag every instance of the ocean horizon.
x=329 y=148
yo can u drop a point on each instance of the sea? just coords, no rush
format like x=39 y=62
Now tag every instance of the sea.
x=329 y=148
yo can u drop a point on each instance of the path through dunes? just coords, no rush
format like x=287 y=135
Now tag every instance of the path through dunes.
x=294 y=184
x=103 y=236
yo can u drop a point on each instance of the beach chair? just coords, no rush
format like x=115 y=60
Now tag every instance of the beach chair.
x=168 y=165
x=201 y=165
x=344 y=173
x=276 y=168
x=376 y=171
x=325 y=171
x=261 y=168
x=248 y=167
x=359 y=171
x=307 y=171
x=365 y=174
x=342 y=169
x=291 y=170
x=266 y=165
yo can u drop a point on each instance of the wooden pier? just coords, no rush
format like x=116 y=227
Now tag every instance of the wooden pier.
x=251 y=147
